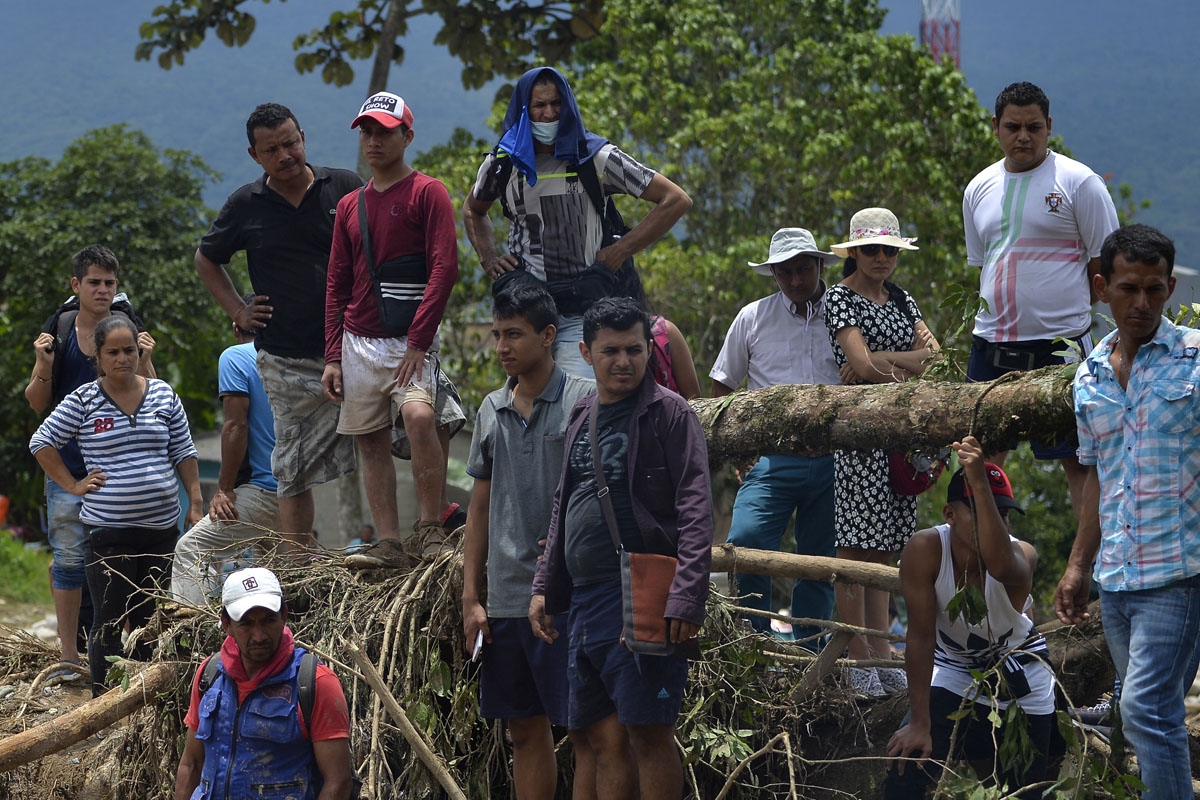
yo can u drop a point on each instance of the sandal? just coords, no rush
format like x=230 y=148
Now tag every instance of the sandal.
x=66 y=673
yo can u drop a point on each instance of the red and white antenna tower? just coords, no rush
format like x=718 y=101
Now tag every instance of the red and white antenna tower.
x=939 y=28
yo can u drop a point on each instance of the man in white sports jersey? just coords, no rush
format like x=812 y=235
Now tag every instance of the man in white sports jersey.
x=1034 y=222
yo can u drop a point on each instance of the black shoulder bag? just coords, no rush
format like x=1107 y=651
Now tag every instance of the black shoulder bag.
x=399 y=284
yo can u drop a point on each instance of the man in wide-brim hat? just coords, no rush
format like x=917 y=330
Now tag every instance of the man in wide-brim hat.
x=781 y=339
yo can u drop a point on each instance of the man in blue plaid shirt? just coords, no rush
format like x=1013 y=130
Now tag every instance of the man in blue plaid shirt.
x=1139 y=431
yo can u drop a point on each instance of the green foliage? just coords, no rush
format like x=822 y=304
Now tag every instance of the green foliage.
x=958 y=308
x=492 y=38
x=969 y=604
x=1086 y=773
x=23 y=572
x=768 y=124
x=115 y=187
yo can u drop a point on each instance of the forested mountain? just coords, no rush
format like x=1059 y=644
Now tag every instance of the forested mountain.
x=1121 y=78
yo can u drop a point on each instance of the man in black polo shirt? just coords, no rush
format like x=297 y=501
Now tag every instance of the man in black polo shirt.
x=284 y=222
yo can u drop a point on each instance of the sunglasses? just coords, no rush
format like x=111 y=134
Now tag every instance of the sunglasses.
x=872 y=250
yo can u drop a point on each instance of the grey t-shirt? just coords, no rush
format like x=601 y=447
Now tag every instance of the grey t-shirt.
x=523 y=460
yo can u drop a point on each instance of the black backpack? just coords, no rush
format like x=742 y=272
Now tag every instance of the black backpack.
x=612 y=223
x=62 y=321
x=306 y=681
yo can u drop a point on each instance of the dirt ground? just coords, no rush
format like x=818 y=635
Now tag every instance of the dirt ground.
x=59 y=775
x=23 y=615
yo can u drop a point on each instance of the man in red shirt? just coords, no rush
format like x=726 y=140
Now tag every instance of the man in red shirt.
x=247 y=730
x=401 y=228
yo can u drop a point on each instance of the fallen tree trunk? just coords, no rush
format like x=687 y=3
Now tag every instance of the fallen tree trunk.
x=91 y=717
x=813 y=420
x=1079 y=656
x=727 y=558
x=1078 y=653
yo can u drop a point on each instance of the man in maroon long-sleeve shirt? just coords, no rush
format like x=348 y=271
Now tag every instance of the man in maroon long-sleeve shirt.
x=375 y=363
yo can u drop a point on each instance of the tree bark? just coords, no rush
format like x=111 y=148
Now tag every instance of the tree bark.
x=89 y=718
x=381 y=66
x=727 y=558
x=1080 y=658
x=814 y=420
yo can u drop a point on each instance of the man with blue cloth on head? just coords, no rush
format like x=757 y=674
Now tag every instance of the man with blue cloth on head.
x=553 y=178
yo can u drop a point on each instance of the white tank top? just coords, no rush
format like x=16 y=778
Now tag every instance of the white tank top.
x=1006 y=639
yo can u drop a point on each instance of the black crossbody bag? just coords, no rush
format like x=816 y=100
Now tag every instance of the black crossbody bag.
x=399 y=284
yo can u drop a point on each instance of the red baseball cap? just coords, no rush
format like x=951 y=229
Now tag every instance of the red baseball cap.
x=959 y=489
x=388 y=109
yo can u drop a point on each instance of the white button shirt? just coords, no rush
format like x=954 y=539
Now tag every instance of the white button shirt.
x=770 y=344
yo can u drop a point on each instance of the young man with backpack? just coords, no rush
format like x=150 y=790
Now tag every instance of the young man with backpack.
x=553 y=179
x=64 y=361
x=268 y=719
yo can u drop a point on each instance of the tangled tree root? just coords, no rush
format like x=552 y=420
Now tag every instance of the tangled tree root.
x=753 y=725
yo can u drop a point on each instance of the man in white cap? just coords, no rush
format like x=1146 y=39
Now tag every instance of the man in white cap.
x=393 y=263
x=1035 y=222
x=249 y=726
x=781 y=339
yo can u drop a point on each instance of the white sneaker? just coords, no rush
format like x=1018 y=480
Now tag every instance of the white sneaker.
x=864 y=682
x=893 y=679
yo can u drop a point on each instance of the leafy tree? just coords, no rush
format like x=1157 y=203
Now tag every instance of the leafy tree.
x=769 y=113
x=491 y=37
x=784 y=112
x=114 y=187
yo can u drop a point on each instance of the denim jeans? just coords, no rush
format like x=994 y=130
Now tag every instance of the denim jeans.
x=777 y=487
x=566 y=347
x=1154 y=638
x=66 y=534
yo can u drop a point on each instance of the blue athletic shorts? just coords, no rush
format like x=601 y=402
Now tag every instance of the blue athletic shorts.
x=521 y=676
x=605 y=677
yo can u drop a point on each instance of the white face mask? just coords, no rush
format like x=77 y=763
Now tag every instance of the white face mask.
x=545 y=132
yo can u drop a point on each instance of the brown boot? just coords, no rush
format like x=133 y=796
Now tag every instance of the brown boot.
x=429 y=538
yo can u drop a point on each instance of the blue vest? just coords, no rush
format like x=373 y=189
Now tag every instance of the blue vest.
x=256 y=751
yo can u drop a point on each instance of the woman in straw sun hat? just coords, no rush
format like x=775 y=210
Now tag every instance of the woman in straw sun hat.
x=878 y=336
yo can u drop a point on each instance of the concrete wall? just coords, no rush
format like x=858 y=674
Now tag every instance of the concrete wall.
x=341 y=506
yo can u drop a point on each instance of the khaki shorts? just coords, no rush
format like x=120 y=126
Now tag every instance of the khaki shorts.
x=448 y=415
x=308 y=449
x=372 y=398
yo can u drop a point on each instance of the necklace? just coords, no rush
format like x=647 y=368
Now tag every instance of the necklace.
x=1122 y=365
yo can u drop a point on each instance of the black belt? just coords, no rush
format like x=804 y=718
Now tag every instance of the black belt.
x=1022 y=356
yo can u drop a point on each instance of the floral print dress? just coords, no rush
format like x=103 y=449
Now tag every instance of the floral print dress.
x=868 y=514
